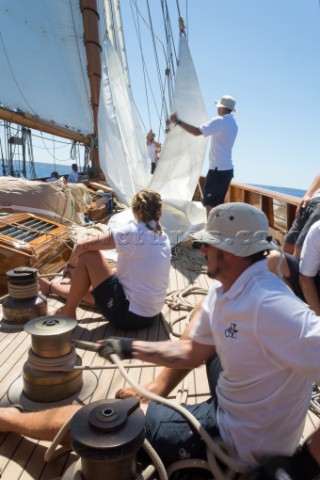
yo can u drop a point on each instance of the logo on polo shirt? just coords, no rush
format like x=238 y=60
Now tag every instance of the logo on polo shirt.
x=110 y=303
x=231 y=331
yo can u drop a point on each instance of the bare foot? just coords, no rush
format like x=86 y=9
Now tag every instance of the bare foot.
x=45 y=285
x=152 y=386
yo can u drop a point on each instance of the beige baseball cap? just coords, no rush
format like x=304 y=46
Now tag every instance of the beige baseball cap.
x=238 y=228
x=227 y=102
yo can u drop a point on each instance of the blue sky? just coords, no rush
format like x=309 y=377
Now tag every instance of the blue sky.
x=266 y=55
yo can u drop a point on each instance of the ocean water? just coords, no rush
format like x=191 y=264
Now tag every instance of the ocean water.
x=44 y=170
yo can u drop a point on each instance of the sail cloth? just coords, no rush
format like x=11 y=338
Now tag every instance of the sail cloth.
x=181 y=159
x=123 y=154
x=122 y=150
x=43 y=62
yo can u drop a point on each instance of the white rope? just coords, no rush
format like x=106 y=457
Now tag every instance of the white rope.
x=189 y=257
x=176 y=299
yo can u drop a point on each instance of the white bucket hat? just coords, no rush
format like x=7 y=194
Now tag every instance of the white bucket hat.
x=226 y=102
x=238 y=228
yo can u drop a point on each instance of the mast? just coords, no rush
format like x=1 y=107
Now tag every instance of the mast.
x=90 y=17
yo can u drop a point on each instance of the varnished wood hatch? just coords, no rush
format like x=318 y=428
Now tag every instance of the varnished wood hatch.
x=30 y=240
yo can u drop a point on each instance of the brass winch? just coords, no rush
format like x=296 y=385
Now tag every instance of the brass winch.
x=24 y=301
x=48 y=374
x=107 y=435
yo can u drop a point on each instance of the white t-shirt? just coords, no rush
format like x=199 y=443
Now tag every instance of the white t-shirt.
x=73 y=177
x=268 y=342
x=310 y=255
x=223 y=131
x=143 y=267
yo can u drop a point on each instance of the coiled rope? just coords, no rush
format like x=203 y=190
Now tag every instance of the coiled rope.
x=189 y=257
x=177 y=300
x=23 y=291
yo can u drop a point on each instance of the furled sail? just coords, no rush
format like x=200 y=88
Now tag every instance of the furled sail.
x=123 y=155
x=43 y=62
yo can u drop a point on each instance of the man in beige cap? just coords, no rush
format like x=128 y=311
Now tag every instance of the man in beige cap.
x=268 y=342
x=223 y=130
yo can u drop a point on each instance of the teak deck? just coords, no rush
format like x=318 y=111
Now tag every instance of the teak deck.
x=22 y=458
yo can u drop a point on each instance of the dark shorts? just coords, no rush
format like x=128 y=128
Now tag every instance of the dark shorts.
x=111 y=301
x=293 y=280
x=172 y=436
x=216 y=186
x=170 y=433
x=300 y=227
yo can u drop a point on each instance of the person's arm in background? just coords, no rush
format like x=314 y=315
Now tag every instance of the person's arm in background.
x=308 y=195
x=310 y=292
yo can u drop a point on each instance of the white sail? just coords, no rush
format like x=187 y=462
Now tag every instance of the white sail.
x=179 y=167
x=43 y=62
x=123 y=155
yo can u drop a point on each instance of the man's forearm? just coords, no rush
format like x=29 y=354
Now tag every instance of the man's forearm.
x=168 y=354
x=189 y=128
x=186 y=126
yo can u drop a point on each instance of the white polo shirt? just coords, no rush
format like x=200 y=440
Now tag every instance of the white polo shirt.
x=268 y=342
x=223 y=131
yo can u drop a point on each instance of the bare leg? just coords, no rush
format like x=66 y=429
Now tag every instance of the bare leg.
x=91 y=270
x=42 y=425
x=208 y=209
x=167 y=379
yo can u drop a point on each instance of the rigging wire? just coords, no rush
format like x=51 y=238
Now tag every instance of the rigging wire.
x=138 y=32
x=171 y=52
x=4 y=170
x=156 y=56
x=145 y=68
x=150 y=84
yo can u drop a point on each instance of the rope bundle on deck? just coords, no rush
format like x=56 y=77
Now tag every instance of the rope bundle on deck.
x=189 y=257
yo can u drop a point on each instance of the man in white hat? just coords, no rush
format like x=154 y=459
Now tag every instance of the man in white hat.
x=268 y=342
x=223 y=130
